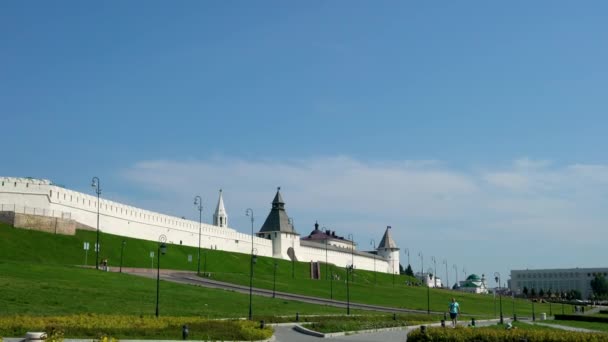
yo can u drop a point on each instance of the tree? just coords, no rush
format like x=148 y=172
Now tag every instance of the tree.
x=533 y=293
x=549 y=293
x=409 y=271
x=541 y=293
x=599 y=285
x=401 y=270
x=525 y=291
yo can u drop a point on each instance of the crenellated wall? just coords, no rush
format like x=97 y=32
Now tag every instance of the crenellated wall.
x=41 y=197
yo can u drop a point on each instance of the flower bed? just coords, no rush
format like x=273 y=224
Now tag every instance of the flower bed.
x=134 y=327
x=495 y=335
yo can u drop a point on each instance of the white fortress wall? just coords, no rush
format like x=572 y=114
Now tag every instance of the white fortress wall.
x=40 y=197
x=363 y=261
x=119 y=219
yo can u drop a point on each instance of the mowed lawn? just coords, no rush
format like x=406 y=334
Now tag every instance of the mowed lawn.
x=43 y=289
x=35 y=249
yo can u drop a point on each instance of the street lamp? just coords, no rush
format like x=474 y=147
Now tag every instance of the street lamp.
x=422 y=267
x=331 y=285
x=352 y=254
x=326 y=260
x=373 y=242
x=407 y=252
x=274 y=279
x=198 y=202
x=293 y=259
x=434 y=271
x=162 y=248
x=456 y=273
x=428 y=292
x=249 y=212
x=497 y=278
x=349 y=269
x=122 y=249
x=97 y=186
x=447 y=281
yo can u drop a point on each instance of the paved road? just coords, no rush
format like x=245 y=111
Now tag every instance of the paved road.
x=287 y=334
x=192 y=279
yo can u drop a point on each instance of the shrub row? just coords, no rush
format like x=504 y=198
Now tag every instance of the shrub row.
x=581 y=318
x=493 y=335
x=605 y=312
x=140 y=327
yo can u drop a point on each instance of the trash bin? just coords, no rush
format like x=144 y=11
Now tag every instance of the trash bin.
x=35 y=336
x=543 y=316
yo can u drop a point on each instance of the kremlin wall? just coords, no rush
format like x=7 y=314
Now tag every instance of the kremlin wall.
x=39 y=204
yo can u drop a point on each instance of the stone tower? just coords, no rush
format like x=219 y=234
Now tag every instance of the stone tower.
x=389 y=250
x=279 y=228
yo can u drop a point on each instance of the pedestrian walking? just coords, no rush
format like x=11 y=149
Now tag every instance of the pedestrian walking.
x=454 y=312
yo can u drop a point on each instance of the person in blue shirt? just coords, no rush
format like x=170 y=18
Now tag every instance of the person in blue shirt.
x=454 y=312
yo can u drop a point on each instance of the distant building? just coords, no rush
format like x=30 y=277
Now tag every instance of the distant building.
x=556 y=280
x=473 y=284
x=429 y=279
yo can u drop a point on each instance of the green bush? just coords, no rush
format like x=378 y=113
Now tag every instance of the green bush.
x=495 y=335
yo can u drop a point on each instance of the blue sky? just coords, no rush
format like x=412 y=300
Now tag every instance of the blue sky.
x=476 y=129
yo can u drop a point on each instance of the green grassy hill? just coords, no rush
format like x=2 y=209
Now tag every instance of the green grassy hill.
x=37 y=248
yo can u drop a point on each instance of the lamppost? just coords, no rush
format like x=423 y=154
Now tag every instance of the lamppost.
x=455 y=273
x=352 y=255
x=497 y=278
x=407 y=252
x=447 y=281
x=293 y=259
x=434 y=271
x=274 y=279
x=326 y=260
x=331 y=285
x=122 y=249
x=198 y=202
x=349 y=269
x=428 y=291
x=97 y=186
x=249 y=212
x=162 y=248
x=373 y=242
x=422 y=268
x=465 y=273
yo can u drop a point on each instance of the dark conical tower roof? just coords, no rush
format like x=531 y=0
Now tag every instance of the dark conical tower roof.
x=278 y=220
x=387 y=240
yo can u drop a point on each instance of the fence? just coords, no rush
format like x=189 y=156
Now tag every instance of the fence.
x=18 y=209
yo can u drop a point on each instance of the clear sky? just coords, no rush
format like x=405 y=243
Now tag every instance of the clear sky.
x=476 y=129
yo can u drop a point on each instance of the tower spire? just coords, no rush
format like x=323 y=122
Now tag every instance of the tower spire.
x=220 y=217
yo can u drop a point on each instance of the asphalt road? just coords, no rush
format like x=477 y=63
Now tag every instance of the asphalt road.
x=192 y=279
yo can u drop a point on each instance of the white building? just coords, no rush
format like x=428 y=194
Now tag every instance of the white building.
x=277 y=237
x=556 y=280
x=473 y=284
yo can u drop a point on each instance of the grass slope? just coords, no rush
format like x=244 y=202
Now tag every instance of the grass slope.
x=368 y=287
x=44 y=289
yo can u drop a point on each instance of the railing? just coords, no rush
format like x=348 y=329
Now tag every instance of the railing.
x=18 y=209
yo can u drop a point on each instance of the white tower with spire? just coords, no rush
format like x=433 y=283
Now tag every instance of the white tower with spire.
x=389 y=250
x=220 y=218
